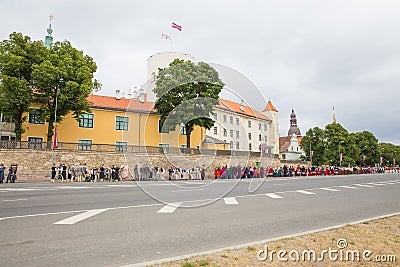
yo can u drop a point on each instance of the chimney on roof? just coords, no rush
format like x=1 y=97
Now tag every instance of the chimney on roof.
x=117 y=94
x=142 y=96
x=242 y=104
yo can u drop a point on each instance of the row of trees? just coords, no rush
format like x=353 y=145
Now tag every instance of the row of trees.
x=360 y=148
x=32 y=75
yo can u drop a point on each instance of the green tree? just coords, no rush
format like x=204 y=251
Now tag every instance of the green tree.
x=18 y=54
x=338 y=139
x=368 y=147
x=314 y=139
x=186 y=94
x=68 y=75
x=389 y=152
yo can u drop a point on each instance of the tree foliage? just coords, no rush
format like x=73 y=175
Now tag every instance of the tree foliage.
x=314 y=140
x=31 y=73
x=70 y=72
x=18 y=54
x=186 y=94
x=327 y=145
x=388 y=152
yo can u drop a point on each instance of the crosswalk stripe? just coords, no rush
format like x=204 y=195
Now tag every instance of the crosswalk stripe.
x=272 y=195
x=169 y=208
x=81 y=217
x=376 y=183
x=363 y=185
x=231 y=201
x=330 y=189
x=17 y=189
x=349 y=187
x=305 y=192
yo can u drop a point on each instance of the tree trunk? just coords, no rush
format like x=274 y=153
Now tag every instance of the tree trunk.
x=18 y=122
x=188 y=134
x=50 y=128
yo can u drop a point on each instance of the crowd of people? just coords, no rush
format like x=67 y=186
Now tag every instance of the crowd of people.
x=81 y=173
x=239 y=172
x=12 y=173
x=143 y=173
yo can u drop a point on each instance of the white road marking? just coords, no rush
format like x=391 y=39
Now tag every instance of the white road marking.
x=364 y=185
x=272 y=195
x=231 y=201
x=349 y=187
x=81 y=217
x=11 y=200
x=187 y=190
x=72 y=187
x=305 y=192
x=378 y=183
x=330 y=189
x=170 y=208
x=120 y=185
x=18 y=189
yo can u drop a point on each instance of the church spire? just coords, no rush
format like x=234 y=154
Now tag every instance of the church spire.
x=334 y=116
x=293 y=125
x=48 y=41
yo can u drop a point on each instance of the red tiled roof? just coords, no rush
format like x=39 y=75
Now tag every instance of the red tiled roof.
x=125 y=104
x=269 y=107
x=235 y=107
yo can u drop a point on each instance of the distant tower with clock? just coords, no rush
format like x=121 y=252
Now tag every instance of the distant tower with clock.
x=293 y=125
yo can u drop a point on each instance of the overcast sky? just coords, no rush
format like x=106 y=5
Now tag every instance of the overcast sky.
x=311 y=55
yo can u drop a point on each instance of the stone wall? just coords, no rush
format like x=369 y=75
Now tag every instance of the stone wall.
x=36 y=164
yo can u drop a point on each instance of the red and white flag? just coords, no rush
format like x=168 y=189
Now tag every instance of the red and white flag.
x=176 y=26
x=394 y=161
x=165 y=36
x=364 y=158
x=55 y=140
x=381 y=160
x=341 y=157
x=311 y=154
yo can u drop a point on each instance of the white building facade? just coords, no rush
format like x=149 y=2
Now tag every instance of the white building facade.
x=237 y=124
x=243 y=128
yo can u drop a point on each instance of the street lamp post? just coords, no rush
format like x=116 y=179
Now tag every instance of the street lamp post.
x=340 y=158
x=55 y=123
x=311 y=154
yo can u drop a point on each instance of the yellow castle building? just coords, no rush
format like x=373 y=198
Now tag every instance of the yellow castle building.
x=113 y=121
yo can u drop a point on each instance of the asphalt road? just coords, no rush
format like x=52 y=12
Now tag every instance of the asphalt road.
x=115 y=224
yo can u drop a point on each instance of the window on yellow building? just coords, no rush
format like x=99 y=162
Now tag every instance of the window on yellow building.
x=160 y=129
x=86 y=120
x=163 y=148
x=84 y=144
x=35 y=142
x=121 y=146
x=36 y=116
x=6 y=118
x=182 y=129
x=121 y=123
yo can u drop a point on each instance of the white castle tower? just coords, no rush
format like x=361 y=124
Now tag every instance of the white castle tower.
x=156 y=61
x=273 y=136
